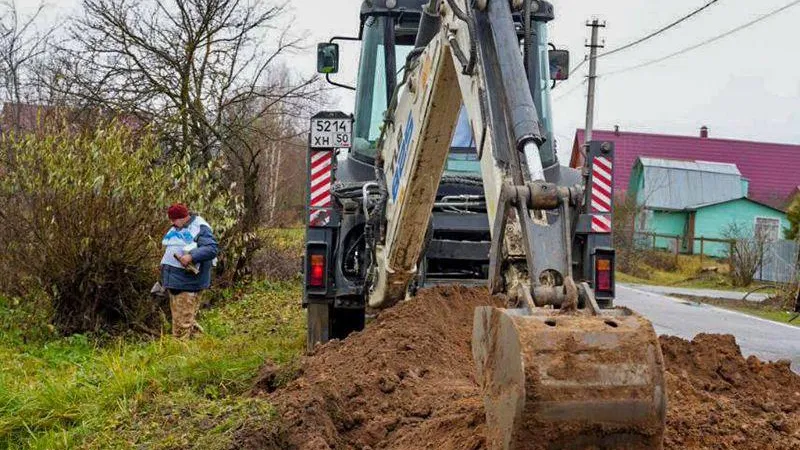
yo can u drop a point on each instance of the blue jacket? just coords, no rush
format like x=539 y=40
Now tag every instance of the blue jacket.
x=180 y=279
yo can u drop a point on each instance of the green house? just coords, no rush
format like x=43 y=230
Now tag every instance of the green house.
x=697 y=201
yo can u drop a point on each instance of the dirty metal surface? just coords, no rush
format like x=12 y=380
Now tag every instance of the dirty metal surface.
x=551 y=380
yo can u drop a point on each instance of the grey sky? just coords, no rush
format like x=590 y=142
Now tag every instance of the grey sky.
x=746 y=86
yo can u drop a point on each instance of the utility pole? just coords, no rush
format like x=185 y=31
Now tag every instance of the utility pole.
x=595 y=44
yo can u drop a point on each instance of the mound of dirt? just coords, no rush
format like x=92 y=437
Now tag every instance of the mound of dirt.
x=407 y=382
x=717 y=399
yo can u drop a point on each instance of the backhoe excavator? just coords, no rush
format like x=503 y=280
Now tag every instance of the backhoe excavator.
x=448 y=173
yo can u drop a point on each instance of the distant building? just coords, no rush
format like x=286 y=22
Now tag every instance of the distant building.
x=694 y=199
x=772 y=169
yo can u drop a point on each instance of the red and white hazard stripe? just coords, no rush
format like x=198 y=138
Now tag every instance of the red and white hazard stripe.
x=320 y=189
x=601 y=185
x=601 y=224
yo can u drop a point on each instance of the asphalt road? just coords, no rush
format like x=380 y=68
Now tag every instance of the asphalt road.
x=766 y=339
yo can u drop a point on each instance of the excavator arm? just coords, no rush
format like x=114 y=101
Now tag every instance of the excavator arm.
x=556 y=370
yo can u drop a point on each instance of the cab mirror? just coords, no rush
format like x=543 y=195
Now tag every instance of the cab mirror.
x=328 y=58
x=559 y=65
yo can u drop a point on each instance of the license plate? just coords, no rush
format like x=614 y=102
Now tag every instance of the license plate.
x=331 y=133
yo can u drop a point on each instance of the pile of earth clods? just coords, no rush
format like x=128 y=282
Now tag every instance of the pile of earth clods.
x=407 y=382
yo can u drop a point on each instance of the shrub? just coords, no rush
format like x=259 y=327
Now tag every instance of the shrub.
x=83 y=216
x=793 y=214
x=745 y=254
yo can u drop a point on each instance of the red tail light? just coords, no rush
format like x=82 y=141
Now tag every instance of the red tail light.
x=316 y=274
x=603 y=273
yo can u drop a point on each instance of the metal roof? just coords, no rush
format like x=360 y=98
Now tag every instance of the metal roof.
x=771 y=168
x=699 y=166
x=680 y=185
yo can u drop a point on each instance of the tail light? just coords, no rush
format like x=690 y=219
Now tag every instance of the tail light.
x=604 y=273
x=316 y=272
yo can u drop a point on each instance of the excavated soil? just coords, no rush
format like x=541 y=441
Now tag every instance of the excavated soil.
x=407 y=382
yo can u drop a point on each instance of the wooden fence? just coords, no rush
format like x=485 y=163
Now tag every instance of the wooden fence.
x=780 y=262
x=649 y=240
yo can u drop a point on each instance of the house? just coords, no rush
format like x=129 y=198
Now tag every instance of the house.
x=699 y=199
x=772 y=169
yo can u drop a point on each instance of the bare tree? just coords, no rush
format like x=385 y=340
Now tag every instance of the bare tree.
x=186 y=66
x=746 y=252
x=267 y=150
x=23 y=39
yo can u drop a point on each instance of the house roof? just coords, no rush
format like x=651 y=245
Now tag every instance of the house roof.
x=772 y=169
x=697 y=166
x=695 y=208
x=680 y=185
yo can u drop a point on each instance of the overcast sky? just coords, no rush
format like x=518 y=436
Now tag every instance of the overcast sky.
x=746 y=86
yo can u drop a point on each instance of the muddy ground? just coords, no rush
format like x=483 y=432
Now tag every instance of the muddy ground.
x=407 y=382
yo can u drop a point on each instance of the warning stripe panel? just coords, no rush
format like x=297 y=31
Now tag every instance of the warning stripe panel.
x=601 y=224
x=602 y=183
x=604 y=163
x=319 y=192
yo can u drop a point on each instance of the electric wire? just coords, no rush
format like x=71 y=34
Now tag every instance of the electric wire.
x=570 y=92
x=644 y=38
x=705 y=42
x=585 y=60
x=660 y=30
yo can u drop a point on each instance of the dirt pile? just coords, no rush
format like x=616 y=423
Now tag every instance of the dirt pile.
x=718 y=399
x=407 y=383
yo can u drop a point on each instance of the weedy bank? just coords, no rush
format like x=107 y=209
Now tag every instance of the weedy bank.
x=128 y=392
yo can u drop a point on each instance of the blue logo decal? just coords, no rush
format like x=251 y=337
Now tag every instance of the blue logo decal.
x=401 y=159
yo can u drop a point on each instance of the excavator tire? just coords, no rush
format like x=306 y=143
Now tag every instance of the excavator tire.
x=569 y=381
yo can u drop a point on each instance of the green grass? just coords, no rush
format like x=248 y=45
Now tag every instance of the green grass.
x=128 y=392
x=284 y=238
x=716 y=282
x=776 y=316
x=689 y=275
x=766 y=310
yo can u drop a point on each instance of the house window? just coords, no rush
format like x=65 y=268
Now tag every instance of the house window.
x=768 y=227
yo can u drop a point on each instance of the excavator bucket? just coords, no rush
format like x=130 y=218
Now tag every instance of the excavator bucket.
x=569 y=381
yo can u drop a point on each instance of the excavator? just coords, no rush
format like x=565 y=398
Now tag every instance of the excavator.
x=447 y=172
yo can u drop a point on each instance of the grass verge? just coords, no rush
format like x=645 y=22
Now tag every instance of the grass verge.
x=128 y=392
x=765 y=310
x=691 y=273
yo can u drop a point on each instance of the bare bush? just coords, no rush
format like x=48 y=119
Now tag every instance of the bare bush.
x=746 y=252
x=630 y=258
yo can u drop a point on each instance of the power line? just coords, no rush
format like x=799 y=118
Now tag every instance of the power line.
x=645 y=38
x=569 y=92
x=706 y=42
x=661 y=30
x=575 y=69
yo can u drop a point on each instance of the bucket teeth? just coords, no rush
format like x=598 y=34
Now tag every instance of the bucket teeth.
x=569 y=381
